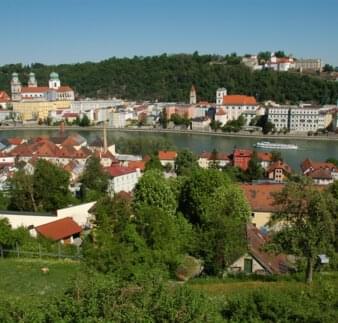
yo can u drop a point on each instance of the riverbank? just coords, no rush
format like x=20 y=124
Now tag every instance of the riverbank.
x=177 y=131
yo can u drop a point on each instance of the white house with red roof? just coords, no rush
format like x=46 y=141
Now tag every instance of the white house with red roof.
x=206 y=159
x=167 y=157
x=322 y=173
x=122 y=179
x=237 y=105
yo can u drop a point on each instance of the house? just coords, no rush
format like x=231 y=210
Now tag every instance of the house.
x=167 y=157
x=265 y=158
x=64 y=230
x=322 y=173
x=261 y=201
x=237 y=105
x=122 y=178
x=221 y=116
x=241 y=158
x=200 y=123
x=279 y=171
x=4 y=100
x=183 y=110
x=256 y=260
x=206 y=159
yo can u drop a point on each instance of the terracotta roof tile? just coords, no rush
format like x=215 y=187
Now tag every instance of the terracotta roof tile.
x=115 y=170
x=59 y=229
x=167 y=155
x=239 y=100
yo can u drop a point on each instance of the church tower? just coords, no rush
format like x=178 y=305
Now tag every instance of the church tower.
x=54 y=81
x=193 y=96
x=16 y=87
x=32 y=80
x=220 y=94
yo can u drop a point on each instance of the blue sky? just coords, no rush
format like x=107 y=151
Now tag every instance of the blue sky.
x=68 y=31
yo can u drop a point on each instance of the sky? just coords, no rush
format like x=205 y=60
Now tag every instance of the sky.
x=71 y=31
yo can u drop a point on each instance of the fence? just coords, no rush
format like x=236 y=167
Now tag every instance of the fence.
x=40 y=253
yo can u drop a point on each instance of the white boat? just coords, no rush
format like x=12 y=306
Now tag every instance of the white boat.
x=271 y=145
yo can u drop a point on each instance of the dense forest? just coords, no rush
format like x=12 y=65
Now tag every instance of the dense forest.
x=169 y=78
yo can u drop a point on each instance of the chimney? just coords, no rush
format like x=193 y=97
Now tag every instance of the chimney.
x=62 y=128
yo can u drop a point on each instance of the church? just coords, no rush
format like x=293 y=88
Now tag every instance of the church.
x=32 y=92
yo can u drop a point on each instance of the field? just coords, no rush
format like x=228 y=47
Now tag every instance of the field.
x=23 y=279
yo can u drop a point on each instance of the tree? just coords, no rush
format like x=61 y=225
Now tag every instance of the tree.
x=185 y=161
x=328 y=68
x=276 y=156
x=333 y=161
x=280 y=54
x=255 y=170
x=196 y=192
x=307 y=228
x=215 y=125
x=84 y=122
x=222 y=235
x=153 y=190
x=94 y=178
x=264 y=56
x=168 y=237
x=21 y=192
x=51 y=186
x=154 y=163
x=164 y=119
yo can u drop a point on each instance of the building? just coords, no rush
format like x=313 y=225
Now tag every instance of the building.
x=193 y=95
x=4 y=100
x=279 y=116
x=256 y=260
x=261 y=201
x=241 y=158
x=281 y=64
x=322 y=173
x=167 y=157
x=314 y=64
x=183 y=110
x=310 y=118
x=221 y=116
x=303 y=118
x=207 y=159
x=32 y=91
x=200 y=123
x=265 y=159
x=117 y=119
x=122 y=179
x=64 y=230
x=38 y=110
x=279 y=171
x=237 y=105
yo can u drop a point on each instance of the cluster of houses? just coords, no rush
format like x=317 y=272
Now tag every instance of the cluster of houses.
x=71 y=153
x=56 y=103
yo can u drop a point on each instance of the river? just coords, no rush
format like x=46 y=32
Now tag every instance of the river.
x=318 y=150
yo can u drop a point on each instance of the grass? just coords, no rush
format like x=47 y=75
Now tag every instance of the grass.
x=23 y=280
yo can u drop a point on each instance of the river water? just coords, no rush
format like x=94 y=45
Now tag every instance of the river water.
x=318 y=150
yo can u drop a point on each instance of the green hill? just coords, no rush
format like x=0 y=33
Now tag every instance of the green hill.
x=169 y=78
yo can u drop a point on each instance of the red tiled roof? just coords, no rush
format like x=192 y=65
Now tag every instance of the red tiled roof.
x=321 y=174
x=220 y=112
x=211 y=156
x=137 y=164
x=37 y=89
x=15 y=141
x=264 y=156
x=64 y=88
x=279 y=165
x=70 y=115
x=274 y=264
x=59 y=229
x=115 y=171
x=239 y=100
x=4 y=97
x=311 y=165
x=167 y=155
x=243 y=153
x=260 y=197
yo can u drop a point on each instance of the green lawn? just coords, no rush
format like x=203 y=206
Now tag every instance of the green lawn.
x=23 y=280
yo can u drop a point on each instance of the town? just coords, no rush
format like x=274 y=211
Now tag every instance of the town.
x=168 y=161
x=33 y=105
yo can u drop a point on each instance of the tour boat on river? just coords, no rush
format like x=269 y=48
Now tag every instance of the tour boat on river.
x=271 y=145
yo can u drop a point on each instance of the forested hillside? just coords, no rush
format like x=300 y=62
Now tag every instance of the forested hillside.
x=169 y=78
